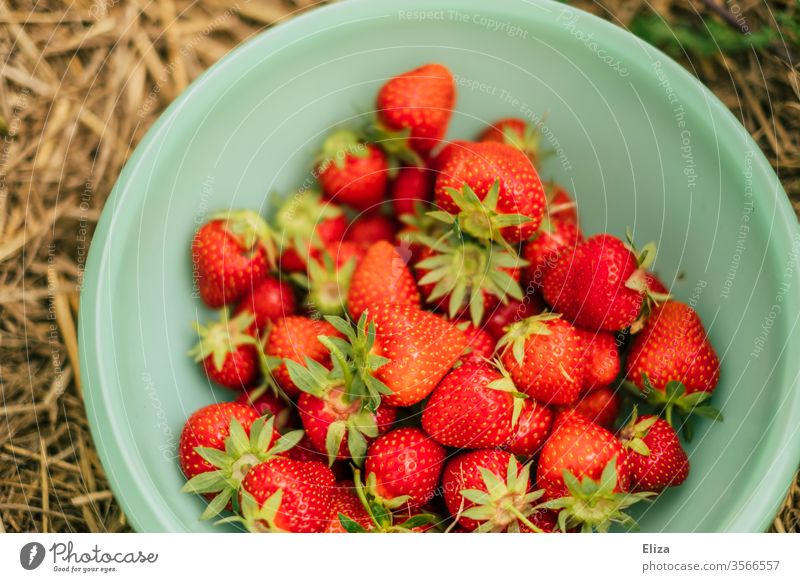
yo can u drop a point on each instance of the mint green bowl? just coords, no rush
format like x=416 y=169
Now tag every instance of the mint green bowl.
x=639 y=141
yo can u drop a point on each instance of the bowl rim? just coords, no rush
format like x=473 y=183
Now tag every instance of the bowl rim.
x=121 y=467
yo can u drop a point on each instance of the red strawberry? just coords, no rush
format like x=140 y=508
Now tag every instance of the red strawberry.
x=467 y=277
x=344 y=501
x=382 y=276
x=305 y=451
x=505 y=182
x=230 y=255
x=503 y=316
x=542 y=252
x=421 y=348
x=475 y=406
x=228 y=352
x=672 y=362
x=601 y=354
x=352 y=172
x=488 y=491
x=404 y=463
x=305 y=225
x=533 y=428
x=266 y=403
x=582 y=448
x=544 y=355
x=517 y=133
x=287 y=495
x=560 y=205
x=417 y=105
x=600 y=406
x=268 y=300
x=295 y=337
x=343 y=251
x=367 y=230
x=655 y=284
x=480 y=344
x=413 y=185
x=601 y=286
x=655 y=454
x=444 y=155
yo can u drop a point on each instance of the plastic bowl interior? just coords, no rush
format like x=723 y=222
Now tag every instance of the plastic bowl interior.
x=640 y=142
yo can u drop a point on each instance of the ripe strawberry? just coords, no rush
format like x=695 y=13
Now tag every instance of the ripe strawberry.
x=544 y=355
x=305 y=225
x=342 y=251
x=560 y=205
x=655 y=454
x=268 y=300
x=367 y=230
x=404 y=463
x=413 y=185
x=601 y=354
x=295 y=338
x=228 y=352
x=672 y=362
x=230 y=255
x=266 y=403
x=381 y=276
x=421 y=348
x=655 y=285
x=517 y=133
x=450 y=149
x=352 y=172
x=287 y=495
x=493 y=190
x=542 y=253
x=582 y=448
x=533 y=428
x=467 y=277
x=600 y=286
x=475 y=406
x=502 y=316
x=487 y=491
x=600 y=406
x=480 y=345
x=344 y=501
x=305 y=451
x=415 y=107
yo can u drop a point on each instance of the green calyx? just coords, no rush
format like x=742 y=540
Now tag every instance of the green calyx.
x=674 y=402
x=479 y=218
x=594 y=505
x=220 y=338
x=506 y=384
x=633 y=434
x=504 y=505
x=231 y=465
x=340 y=145
x=327 y=286
x=529 y=142
x=251 y=230
x=638 y=280
x=465 y=270
x=298 y=217
x=255 y=518
x=518 y=333
x=396 y=144
x=358 y=425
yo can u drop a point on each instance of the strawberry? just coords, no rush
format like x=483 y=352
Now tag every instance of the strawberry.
x=450 y=149
x=305 y=225
x=228 y=351
x=216 y=471
x=328 y=282
x=230 y=255
x=600 y=406
x=480 y=345
x=305 y=451
x=493 y=190
x=600 y=286
x=285 y=495
x=345 y=502
x=544 y=355
x=656 y=285
x=601 y=353
x=266 y=403
x=655 y=454
x=403 y=467
x=352 y=172
x=464 y=276
x=542 y=253
x=672 y=362
x=533 y=428
x=413 y=184
x=367 y=230
x=296 y=337
x=421 y=348
x=517 y=133
x=381 y=276
x=560 y=205
x=414 y=109
x=500 y=318
x=475 y=406
x=488 y=491
x=343 y=251
x=268 y=300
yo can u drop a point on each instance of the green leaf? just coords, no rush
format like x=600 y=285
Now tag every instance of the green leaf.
x=357 y=445
x=286 y=442
x=208 y=482
x=349 y=525
x=214 y=457
x=217 y=504
x=334 y=438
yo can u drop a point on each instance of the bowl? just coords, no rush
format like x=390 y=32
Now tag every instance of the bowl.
x=639 y=141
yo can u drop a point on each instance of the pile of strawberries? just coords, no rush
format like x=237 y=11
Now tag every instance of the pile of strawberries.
x=427 y=342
